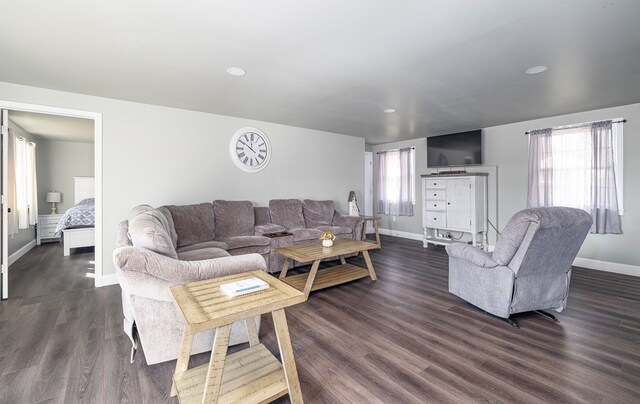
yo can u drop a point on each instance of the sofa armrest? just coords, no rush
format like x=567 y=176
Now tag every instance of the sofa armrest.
x=347 y=221
x=267 y=228
x=135 y=259
x=472 y=254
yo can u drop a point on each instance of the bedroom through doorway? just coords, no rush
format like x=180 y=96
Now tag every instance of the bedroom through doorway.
x=62 y=214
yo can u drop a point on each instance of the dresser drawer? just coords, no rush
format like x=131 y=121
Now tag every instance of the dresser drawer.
x=435 y=205
x=436 y=219
x=434 y=184
x=435 y=194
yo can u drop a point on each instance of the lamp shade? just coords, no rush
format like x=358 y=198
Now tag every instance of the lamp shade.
x=53 y=196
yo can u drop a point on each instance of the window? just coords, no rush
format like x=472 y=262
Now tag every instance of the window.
x=396 y=182
x=579 y=166
x=26 y=189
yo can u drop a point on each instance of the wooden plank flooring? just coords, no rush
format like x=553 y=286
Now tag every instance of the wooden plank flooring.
x=402 y=339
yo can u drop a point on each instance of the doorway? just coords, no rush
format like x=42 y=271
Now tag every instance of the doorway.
x=96 y=119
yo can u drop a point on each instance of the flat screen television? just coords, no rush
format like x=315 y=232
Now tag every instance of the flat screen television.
x=456 y=149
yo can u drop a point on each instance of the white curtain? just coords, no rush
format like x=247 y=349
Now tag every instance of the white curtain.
x=396 y=182
x=12 y=216
x=26 y=183
x=575 y=167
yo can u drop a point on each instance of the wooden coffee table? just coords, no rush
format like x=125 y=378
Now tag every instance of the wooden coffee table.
x=336 y=275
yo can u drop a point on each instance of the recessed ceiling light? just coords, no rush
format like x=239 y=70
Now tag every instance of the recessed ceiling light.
x=536 y=69
x=236 y=71
x=389 y=110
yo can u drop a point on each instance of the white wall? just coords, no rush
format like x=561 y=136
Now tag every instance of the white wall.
x=158 y=155
x=505 y=146
x=58 y=162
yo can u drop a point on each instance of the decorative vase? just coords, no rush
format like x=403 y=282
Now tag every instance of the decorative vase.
x=327 y=243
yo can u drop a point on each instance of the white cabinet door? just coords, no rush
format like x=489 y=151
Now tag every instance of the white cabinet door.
x=459 y=204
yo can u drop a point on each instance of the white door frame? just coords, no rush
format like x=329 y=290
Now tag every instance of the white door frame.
x=368 y=188
x=97 y=131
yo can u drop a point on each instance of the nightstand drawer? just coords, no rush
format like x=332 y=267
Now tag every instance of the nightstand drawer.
x=48 y=221
x=47 y=232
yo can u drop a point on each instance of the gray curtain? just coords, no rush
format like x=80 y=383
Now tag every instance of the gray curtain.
x=604 y=196
x=396 y=182
x=589 y=149
x=540 y=169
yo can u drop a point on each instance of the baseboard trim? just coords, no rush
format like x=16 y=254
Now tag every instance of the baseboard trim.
x=107 y=280
x=22 y=251
x=607 y=266
x=402 y=234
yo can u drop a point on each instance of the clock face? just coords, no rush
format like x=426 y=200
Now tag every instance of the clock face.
x=250 y=149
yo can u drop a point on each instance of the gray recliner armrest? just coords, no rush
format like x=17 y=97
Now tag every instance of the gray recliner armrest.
x=472 y=254
x=174 y=271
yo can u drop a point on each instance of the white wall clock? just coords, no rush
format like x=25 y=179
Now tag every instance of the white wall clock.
x=250 y=149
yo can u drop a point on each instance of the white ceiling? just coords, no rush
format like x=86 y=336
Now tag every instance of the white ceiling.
x=335 y=65
x=53 y=127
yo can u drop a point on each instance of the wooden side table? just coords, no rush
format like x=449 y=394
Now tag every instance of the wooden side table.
x=252 y=375
x=374 y=220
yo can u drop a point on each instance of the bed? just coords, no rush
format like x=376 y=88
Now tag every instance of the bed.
x=77 y=225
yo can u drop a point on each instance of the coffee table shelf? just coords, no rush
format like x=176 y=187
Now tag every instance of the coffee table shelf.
x=328 y=277
x=252 y=375
x=319 y=279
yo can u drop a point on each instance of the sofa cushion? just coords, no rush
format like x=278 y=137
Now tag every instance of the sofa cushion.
x=233 y=218
x=202 y=254
x=305 y=234
x=287 y=213
x=137 y=210
x=193 y=223
x=172 y=227
x=318 y=213
x=204 y=244
x=256 y=249
x=336 y=229
x=149 y=230
x=246 y=241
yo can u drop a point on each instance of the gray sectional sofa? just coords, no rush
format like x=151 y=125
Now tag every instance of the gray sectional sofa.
x=160 y=247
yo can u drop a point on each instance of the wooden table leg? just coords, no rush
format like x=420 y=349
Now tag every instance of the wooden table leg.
x=285 y=268
x=367 y=259
x=183 y=356
x=216 y=365
x=252 y=331
x=375 y=228
x=311 y=277
x=286 y=353
x=342 y=260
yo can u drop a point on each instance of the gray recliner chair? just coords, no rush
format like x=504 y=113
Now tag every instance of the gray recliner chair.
x=530 y=267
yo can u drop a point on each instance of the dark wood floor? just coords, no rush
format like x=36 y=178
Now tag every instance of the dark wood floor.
x=401 y=339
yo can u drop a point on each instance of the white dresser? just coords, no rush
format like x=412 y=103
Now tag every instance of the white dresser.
x=46 y=228
x=452 y=205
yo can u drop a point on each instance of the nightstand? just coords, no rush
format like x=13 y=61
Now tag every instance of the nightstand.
x=47 y=227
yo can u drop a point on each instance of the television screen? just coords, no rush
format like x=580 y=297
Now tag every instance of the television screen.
x=456 y=149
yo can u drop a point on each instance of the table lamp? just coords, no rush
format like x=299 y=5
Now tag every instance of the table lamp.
x=53 y=198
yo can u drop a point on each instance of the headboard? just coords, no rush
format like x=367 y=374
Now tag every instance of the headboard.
x=84 y=187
